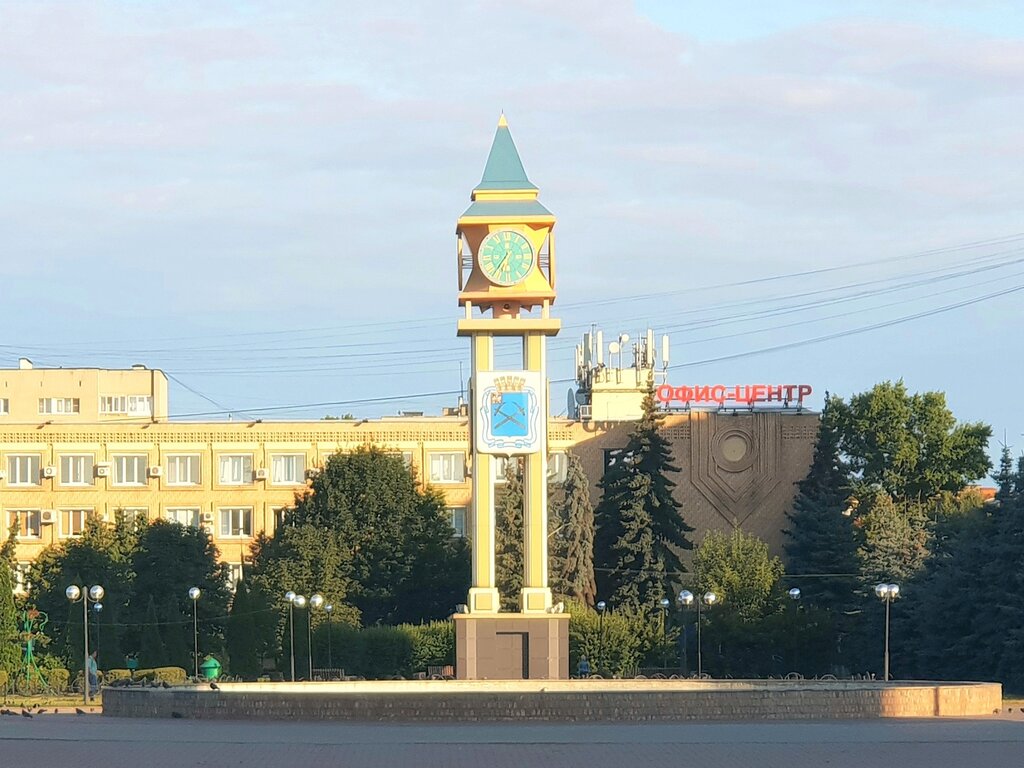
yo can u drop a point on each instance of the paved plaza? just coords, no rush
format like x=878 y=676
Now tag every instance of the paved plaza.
x=82 y=741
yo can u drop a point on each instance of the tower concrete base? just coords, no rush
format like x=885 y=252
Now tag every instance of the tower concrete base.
x=512 y=646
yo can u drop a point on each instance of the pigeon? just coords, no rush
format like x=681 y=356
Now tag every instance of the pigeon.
x=164 y=684
x=177 y=715
x=79 y=711
x=41 y=711
x=6 y=712
x=26 y=713
x=214 y=686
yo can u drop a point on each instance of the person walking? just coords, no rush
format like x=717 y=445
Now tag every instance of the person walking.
x=583 y=668
x=92 y=675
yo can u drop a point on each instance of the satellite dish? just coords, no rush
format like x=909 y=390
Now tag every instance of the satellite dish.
x=570 y=402
x=613 y=348
x=581 y=397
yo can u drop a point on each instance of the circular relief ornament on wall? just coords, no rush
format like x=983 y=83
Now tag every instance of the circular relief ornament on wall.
x=733 y=450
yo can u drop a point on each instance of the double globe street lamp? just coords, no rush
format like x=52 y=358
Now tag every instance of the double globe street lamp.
x=93 y=594
x=686 y=599
x=315 y=601
x=887 y=593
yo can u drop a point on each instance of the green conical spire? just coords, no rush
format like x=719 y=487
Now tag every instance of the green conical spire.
x=504 y=169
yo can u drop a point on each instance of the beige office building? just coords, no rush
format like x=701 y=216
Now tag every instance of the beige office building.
x=75 y=442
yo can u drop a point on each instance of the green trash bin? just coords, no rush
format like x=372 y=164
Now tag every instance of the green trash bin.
x=210 y=668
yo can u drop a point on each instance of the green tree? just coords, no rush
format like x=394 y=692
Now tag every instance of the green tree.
x=896 y=539
x=367 y=536
x=10 y=644
x=822 y=541
x=640 y=530
x=101 y=555
x=910 y=445
x=242 y=641
x=152 y=652
x=739 y=570
x=508 y=536
x=169 y=560
x=575 y=516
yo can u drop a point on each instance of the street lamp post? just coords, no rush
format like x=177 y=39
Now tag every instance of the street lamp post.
x=794 y=596
x=330 y=627
x=887 y=593
x=298 y=602
x=664 y=603
x=87 y=595
x=600 y=634
x=290 y=596
x=687 y=599
x=97 y=608
x=193 y=595
x=314 y=602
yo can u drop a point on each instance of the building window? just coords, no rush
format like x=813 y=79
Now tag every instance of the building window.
x=500 y=465
x=133 y=514
x=23 y=470
x=558 y=464
x=280 y=516
x=447 y=467
x=76 y=470
x=5 y=406
x=183 y=515
x=235 y=522
x=22 y=585
x=28 y=521
x=72 y=522
x=183 y=470
x=614 y=457
x=49 y=405
x=234 y=575
x=131 y=405
x=457 y=515
x=288 y=469
x=130 y=470
x=234 y=470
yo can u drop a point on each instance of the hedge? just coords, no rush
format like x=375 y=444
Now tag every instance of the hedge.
x=172 y=675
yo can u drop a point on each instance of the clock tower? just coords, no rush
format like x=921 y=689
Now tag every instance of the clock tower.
x=506 y=273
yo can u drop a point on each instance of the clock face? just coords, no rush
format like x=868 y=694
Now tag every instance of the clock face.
x=506 y=257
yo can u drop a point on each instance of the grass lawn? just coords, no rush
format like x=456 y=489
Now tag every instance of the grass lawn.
x=48 y=700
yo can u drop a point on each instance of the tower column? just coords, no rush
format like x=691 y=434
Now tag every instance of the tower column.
x=536 y=595
x=483 y=592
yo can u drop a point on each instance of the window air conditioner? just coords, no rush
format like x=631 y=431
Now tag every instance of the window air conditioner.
x=310 y=474
x=102 y=470
x=207 y=517
x=262 y=474
x=155 y=471
x=585 y=413
x=49 y=471
x=48 y=516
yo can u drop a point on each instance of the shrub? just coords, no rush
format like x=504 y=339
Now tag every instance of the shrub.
x=614 y=649
x=173 y=675
x=433 y=644
x=58 y=679
x=110 y=675
x=5 y=680
x=386 y=651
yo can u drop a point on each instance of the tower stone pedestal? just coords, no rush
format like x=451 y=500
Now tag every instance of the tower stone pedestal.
x=512 y=646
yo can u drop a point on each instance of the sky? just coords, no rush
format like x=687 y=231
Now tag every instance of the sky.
x=260 y=198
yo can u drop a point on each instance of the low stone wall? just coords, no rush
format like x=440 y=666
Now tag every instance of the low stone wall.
x=558 y=701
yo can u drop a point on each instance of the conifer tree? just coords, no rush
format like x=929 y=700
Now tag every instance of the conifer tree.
x=10 y=643
x=243 y=655
x=508 y=536
x=576 y=516
x=821 y=539
x=153 y=653
x=639 y=526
